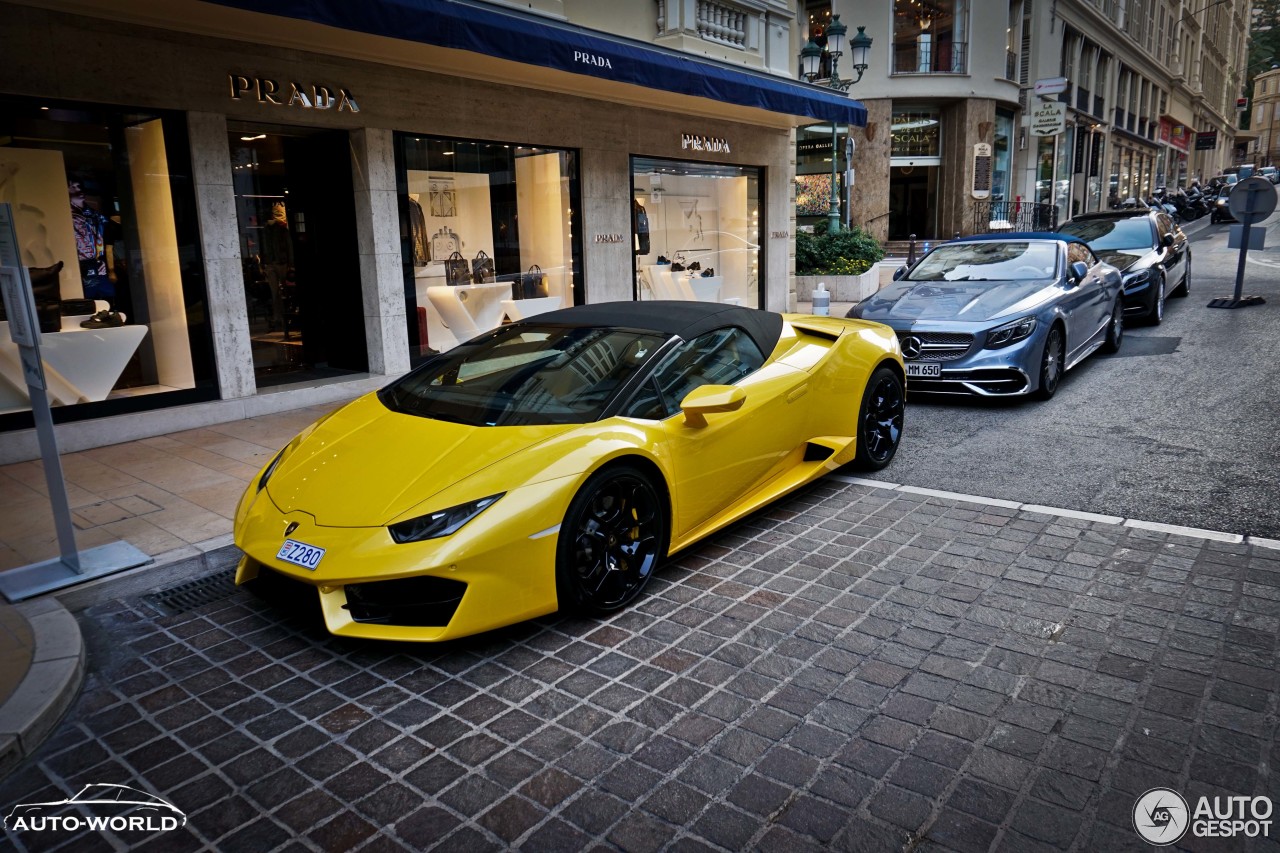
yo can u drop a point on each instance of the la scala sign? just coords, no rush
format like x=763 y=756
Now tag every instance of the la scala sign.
x=1049 y=119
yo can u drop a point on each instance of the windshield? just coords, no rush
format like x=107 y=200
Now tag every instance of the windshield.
x=994 y=261
x=524 y=375
x=1133 y=233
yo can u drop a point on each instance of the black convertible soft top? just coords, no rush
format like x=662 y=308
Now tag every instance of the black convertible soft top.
x=670 y=317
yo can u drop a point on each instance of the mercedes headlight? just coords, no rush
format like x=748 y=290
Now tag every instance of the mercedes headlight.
x=1010 y=333
x=442 y=523
x=1135 y=281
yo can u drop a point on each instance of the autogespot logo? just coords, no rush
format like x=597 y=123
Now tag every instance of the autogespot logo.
x=98 y=808
x=1160 y=816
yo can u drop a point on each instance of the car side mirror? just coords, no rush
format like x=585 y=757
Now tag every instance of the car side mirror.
x=900 y=272
x=709 y=399
x=1078 y=272
x=1166 y=240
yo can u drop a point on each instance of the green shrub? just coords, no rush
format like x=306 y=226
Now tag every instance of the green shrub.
x=849 y=252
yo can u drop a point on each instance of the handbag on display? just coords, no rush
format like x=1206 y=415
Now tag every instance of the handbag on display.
x=482 y=268
x=533 y=284
x=457 y=270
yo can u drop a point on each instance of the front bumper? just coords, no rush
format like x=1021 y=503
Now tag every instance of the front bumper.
x=497 y=570
x=1011 y=371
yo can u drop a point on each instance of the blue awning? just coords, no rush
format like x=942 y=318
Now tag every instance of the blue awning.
x=532 y=39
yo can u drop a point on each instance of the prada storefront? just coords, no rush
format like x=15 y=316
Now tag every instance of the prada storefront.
x=276 y=222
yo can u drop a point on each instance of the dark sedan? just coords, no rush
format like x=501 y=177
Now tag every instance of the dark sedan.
x=1149 y=249
x=1220 y=205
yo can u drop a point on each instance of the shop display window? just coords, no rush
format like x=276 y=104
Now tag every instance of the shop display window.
x=105 y=217
x=489 y=236
x=696 y=231
x=816 y=148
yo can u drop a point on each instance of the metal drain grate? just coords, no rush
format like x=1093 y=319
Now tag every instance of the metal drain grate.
x=188 y=596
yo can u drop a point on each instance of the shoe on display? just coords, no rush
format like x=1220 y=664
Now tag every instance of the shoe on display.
x=709 y=272
x=663 y=259
x=696 y=265
x=103 y=320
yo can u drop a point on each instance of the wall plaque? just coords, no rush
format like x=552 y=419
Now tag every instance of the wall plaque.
x=981 y=171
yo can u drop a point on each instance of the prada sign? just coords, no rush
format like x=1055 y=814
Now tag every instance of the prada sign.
x=715 y=144
x=267 y=91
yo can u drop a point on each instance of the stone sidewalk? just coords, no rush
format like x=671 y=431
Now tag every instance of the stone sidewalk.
x=856 y=669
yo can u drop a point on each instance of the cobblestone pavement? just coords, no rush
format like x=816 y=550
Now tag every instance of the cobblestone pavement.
x=856 y=669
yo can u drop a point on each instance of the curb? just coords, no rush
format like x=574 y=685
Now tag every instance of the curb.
x=47 y=690
x=1158 y=527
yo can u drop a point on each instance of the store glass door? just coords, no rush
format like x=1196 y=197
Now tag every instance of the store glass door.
x=913 y=196
x=296 y=211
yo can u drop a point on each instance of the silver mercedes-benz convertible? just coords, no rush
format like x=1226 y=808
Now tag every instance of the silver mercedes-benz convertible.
x=1000 y=315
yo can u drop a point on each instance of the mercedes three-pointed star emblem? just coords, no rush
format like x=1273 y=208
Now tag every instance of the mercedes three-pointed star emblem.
x=911 y=347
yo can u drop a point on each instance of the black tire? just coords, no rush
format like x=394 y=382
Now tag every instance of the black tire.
x=880 y=420
x=613 y=537
x=1053 y=362
x=1156 y=317
x=1115 y=328
x=1184 y=289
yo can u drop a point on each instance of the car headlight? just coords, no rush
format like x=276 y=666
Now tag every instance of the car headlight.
x=1137 y=280
x=442 y=523
x=1010 y=333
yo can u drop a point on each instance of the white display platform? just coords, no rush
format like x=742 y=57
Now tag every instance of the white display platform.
x=81 y=365
x=666 y=284
x=469 y=309
x=518 y=309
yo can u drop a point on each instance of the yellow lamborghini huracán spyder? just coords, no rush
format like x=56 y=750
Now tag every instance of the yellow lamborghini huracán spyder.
x=554 y=462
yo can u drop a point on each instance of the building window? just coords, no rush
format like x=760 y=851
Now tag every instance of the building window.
x=1001 y=168
x=930 y=36
x=703 y=231
x=489 y=233
x=106 y=222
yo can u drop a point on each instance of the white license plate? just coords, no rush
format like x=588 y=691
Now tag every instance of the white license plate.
x=300 y=554
x=931 y=371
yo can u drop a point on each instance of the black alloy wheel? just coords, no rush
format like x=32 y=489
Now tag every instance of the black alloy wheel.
x=613 y=537
x=1052 y=363
x=1184 y=289
x=1115 y=328
x=880 y=420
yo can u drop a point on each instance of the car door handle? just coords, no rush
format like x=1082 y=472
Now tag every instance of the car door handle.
x=796 y=393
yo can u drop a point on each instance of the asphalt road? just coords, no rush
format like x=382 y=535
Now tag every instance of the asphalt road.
x=1182 y=426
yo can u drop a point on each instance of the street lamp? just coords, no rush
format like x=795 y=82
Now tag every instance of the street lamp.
x=810 y=63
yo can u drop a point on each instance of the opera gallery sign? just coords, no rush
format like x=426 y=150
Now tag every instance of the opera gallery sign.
x=264 y=90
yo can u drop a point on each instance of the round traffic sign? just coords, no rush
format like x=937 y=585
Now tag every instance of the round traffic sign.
x=1252 y=200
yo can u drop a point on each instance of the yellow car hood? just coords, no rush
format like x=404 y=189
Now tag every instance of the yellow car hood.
x=365 y=464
